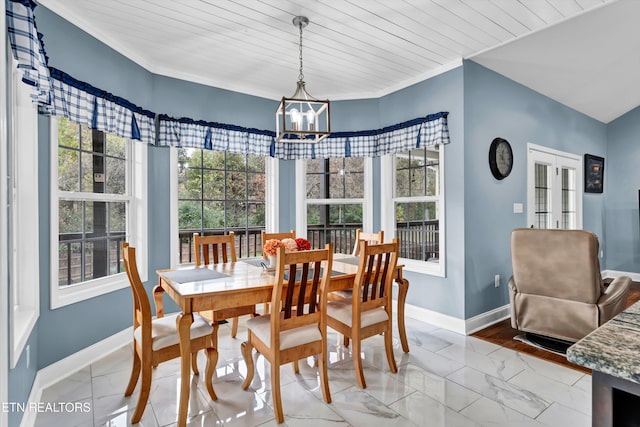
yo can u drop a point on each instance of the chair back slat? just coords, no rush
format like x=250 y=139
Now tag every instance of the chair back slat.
x=313 y=303
x=291 y=285
x=304 y=281
x=375 y=273
x=222 y=248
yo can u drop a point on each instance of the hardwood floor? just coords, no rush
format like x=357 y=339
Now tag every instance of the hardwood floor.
x=502 y=334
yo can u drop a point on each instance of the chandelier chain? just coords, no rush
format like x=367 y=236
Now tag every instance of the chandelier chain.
x=301 y=75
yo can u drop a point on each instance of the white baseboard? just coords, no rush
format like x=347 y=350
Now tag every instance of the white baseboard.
x=614 y=274
x=53 y=373
x=487 y=319
x=454 y=324
x=435 y=318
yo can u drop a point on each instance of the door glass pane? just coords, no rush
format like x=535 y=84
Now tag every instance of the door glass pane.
x=543 y=196
x=568 y=199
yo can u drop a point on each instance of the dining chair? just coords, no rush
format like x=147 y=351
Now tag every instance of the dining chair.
x=368 y=312
x=298 y=328
x=157 y=340
x=279 y=236
x=372 y=238
x=213 y=250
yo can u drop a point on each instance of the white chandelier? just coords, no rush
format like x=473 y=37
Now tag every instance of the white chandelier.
x=301 y=117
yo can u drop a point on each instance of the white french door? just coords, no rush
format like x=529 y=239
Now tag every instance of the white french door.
x=554 y=188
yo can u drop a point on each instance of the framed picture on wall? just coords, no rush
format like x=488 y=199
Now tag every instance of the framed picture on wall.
x=593 y=174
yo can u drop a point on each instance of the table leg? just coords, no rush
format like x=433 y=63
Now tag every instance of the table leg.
x=183 y=324
x=403 y=288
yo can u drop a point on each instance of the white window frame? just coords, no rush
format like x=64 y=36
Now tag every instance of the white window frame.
x=24 y=274
x=137 y=234
x=302 y=202
x=272 y=179
x=4 y=250
x=388 y=216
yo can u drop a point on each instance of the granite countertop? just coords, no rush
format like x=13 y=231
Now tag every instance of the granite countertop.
x=613 y=348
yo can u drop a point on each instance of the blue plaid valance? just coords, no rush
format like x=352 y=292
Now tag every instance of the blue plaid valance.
x=420 y=132
x=85 y=104
x=60 y=94
x=27 y=48
x=188 y=133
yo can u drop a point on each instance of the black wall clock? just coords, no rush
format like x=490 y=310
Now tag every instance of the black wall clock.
x=500 y=158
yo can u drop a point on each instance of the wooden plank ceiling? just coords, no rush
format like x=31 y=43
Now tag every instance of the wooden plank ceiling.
x=351 y=49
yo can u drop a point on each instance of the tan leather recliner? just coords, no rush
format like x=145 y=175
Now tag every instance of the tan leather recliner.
x=556 y=289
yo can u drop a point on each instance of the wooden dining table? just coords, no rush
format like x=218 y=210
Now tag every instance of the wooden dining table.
x=237 y=284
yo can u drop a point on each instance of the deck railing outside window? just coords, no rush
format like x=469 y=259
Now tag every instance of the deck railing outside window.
x=248 y=242
x=418 y=240
x=76 y=256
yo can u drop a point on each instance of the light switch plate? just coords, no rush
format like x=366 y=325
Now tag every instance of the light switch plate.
x=518 y=208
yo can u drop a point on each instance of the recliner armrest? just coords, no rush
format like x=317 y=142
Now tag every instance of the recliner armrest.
x=614 y=298
x=513 y=290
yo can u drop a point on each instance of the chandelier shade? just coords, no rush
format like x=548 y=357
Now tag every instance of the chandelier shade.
x=301 y=117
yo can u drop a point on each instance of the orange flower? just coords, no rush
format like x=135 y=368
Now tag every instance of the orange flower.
x=271 y=246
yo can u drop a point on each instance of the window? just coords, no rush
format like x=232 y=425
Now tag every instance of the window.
x=99 y=199
x=24 y=274
x=416 y=215
x=219 y=192
x=4 y=244
x=336 y=199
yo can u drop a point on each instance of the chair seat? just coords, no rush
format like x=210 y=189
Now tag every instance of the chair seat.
x=342 y=311
x=261 y=327
x=165 y=334
x=346 y=293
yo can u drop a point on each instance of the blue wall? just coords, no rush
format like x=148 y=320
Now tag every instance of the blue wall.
x=497 y=106
x=440 y=93
x=621 y=186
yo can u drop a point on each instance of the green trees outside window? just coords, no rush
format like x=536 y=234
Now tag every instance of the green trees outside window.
x=220 y=192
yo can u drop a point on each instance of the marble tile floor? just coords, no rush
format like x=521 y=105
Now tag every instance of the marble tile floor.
x=447 y=379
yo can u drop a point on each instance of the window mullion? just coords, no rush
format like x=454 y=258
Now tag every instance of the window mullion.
x=201 y=192
x=416 y=199
x=97 y=197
